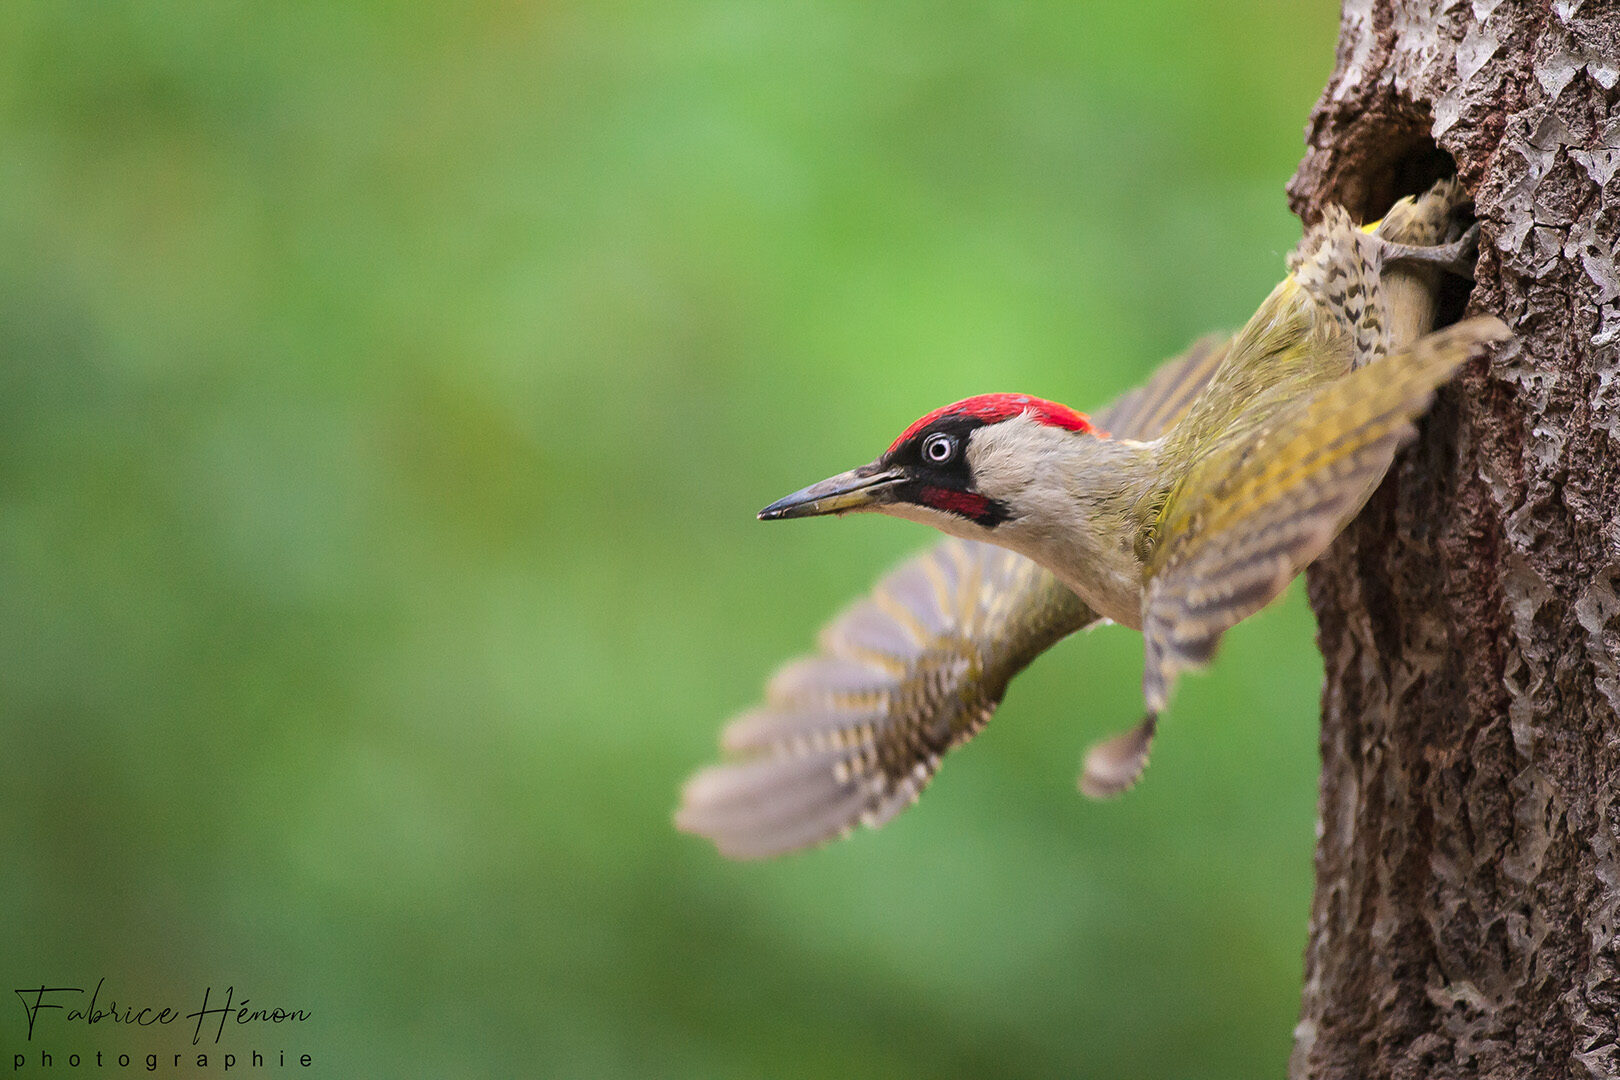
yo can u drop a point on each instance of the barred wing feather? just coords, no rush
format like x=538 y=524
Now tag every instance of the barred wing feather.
x=854 y=733
x=1269 y=510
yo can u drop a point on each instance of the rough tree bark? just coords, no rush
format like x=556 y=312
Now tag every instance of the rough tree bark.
x=1467 y=906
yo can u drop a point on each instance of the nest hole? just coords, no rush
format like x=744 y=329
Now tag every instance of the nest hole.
x=1410 y=164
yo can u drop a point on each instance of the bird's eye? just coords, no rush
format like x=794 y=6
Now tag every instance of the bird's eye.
x=939 y=448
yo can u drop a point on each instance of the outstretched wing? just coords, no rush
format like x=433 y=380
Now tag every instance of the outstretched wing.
x=1293 y=444
x=855 y=732
x=1340 y=307
x=1256 y=511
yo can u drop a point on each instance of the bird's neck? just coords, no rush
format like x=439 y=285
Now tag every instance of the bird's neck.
x=1081 y=514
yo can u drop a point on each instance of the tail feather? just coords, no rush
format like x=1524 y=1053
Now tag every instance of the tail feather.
x=1340 y=265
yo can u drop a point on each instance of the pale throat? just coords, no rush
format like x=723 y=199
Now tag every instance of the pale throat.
x=1078 y=503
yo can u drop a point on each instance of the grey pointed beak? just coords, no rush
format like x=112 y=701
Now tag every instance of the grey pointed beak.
x=859 y=489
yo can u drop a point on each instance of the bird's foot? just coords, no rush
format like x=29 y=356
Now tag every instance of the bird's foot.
x=1456 y=257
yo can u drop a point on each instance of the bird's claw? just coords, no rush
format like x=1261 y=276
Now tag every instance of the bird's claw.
x=1456 y=257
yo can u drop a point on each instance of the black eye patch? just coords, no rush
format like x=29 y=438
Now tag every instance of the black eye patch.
x=924 y=449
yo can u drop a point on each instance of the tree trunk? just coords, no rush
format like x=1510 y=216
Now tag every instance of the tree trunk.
x=1467 y=905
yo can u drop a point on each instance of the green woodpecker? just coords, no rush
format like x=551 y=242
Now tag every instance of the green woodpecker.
x=1184 y=508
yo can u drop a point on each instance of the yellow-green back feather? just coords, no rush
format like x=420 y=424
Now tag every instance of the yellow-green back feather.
x=1235 y=537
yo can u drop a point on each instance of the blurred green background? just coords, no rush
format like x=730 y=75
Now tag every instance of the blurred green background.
x=386 y=393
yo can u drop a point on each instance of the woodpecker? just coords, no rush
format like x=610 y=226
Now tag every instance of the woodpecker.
x=1179 y=511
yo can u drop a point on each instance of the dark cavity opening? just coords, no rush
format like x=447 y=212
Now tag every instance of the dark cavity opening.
x=1408 y=163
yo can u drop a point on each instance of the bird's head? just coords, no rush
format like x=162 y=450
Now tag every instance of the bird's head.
x=966 y=468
